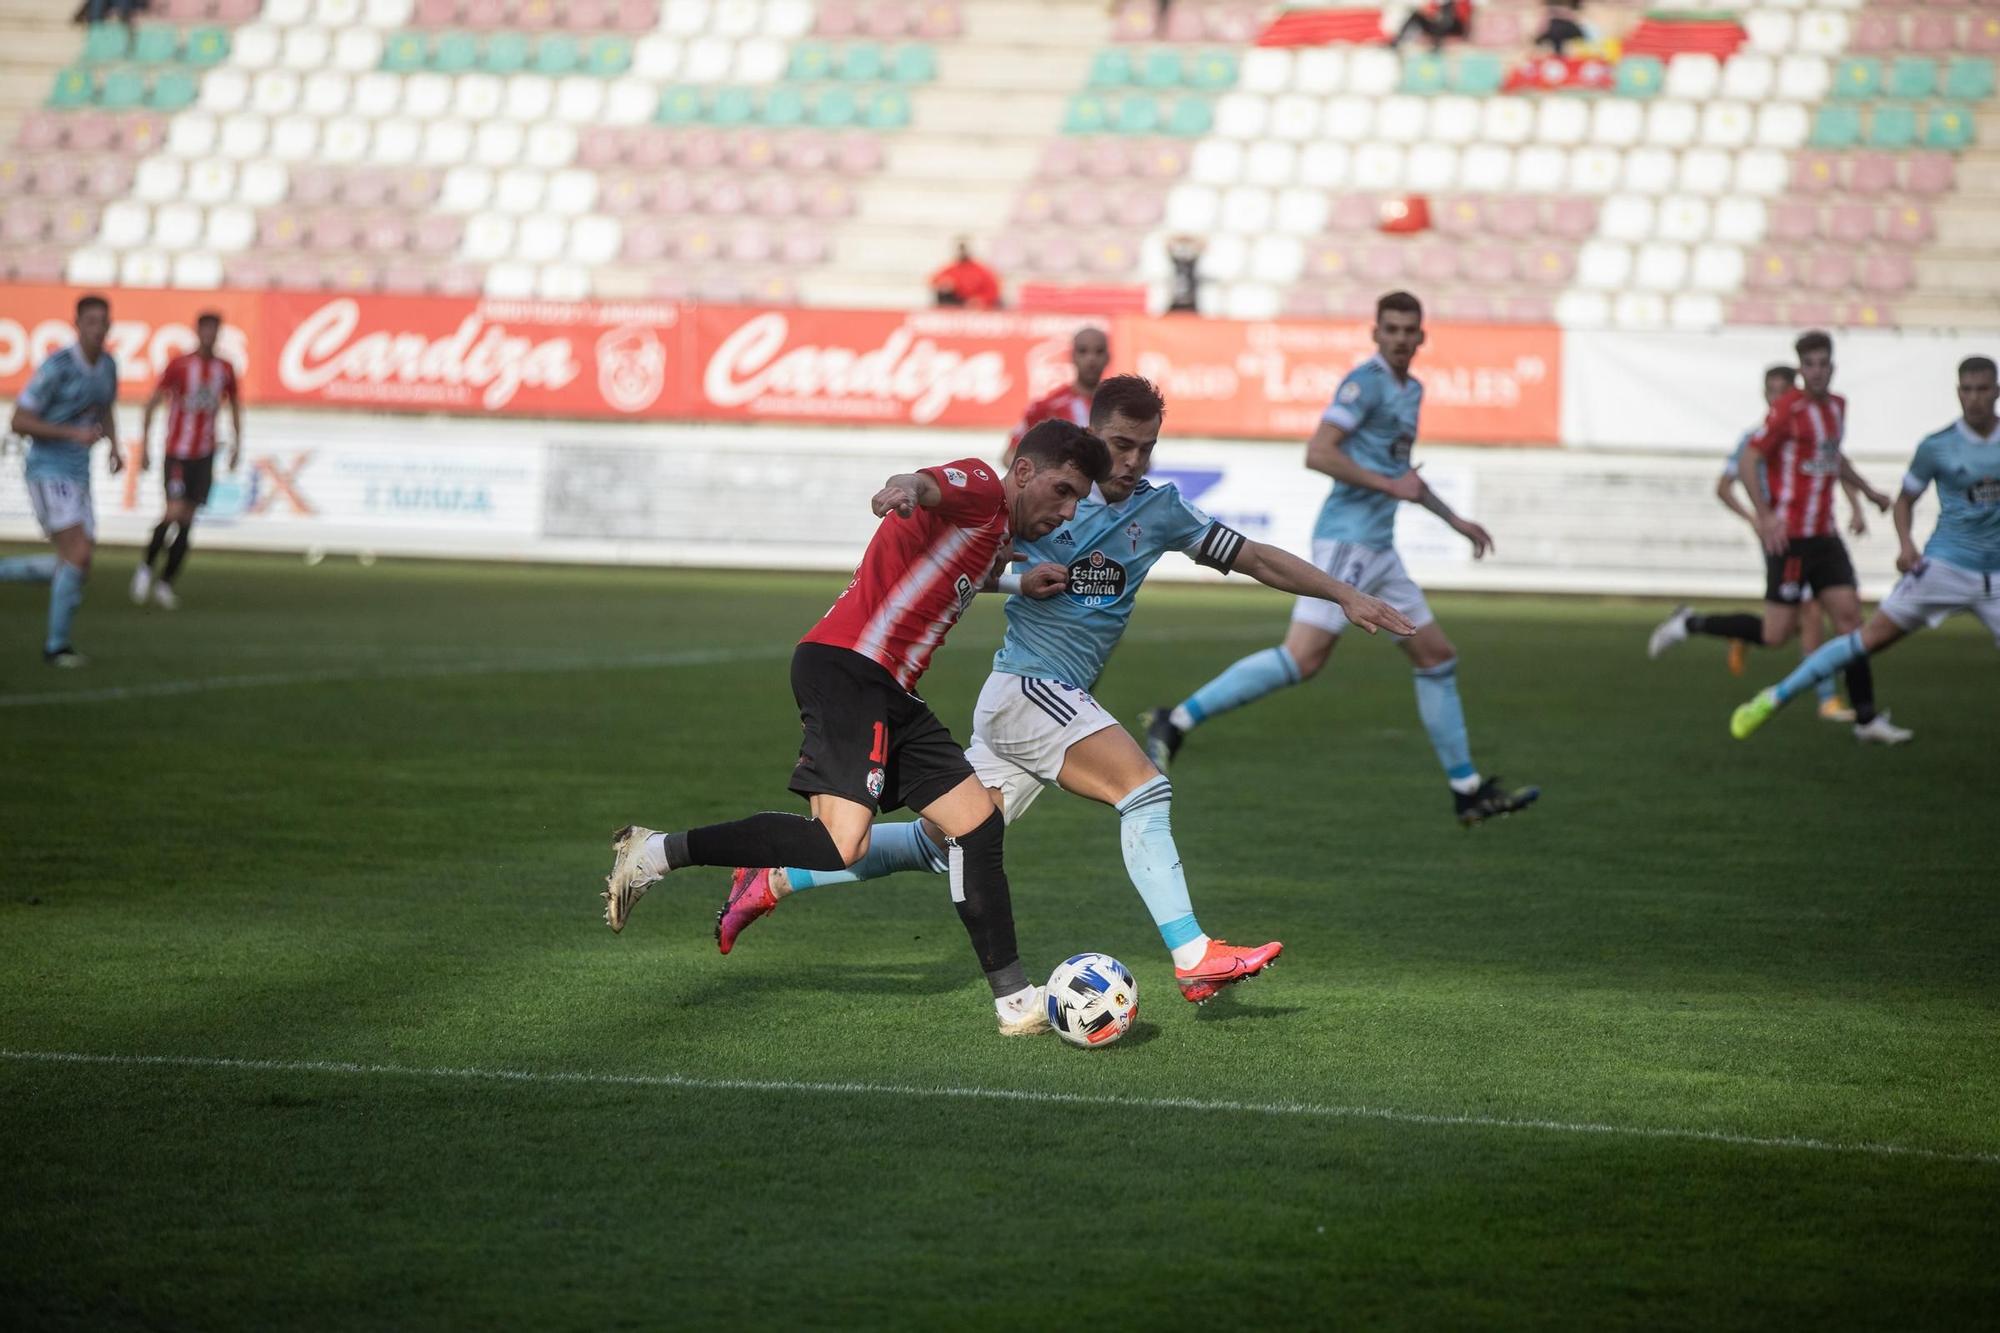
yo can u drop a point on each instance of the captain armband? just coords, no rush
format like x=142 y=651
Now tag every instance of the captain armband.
x=1219 y=548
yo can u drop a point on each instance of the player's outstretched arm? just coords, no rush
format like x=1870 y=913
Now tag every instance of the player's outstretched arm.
x=1324 y=455
x=1904 y=515
x=904 y=493
x=1850 y=477
x=1725 y=491
x=1280 y=569
x=33 y=424
x=1481 y=539
x=153 y=402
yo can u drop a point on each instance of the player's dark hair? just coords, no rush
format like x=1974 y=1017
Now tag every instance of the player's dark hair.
x=1402 y=303
x=1976 y=365
x=1815 y=341
x=1057 y=443
x=1789 y=374
x=1133 y=397
x=208 y=317
x=92 y=301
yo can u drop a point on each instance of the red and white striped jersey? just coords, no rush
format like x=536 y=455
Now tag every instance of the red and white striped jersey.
x=1069 y=402
x=195 y=385
x=1800 y=443
x=920 y=573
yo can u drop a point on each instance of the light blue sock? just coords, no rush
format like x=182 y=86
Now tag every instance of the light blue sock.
x=65 y=595
x=1822 y=665
x=1146 y=832
x=28 y=569
x=1444 y=719
x=1250 y=679
x=892 y=848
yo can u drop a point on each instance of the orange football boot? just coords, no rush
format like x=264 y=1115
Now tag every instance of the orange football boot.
x=1224 y=965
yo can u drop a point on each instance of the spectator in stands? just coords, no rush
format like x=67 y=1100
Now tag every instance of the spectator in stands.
x=1184 y=287
x=1437 y=20
x=1564 y=26
x=967 y=282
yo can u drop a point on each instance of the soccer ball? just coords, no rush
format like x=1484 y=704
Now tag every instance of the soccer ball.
x=1091 y=1000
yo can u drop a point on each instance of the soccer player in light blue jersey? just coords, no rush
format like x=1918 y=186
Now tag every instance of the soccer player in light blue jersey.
x=1363 y=443
x=65 y=410
x=1036 y=722
x=1958 y=569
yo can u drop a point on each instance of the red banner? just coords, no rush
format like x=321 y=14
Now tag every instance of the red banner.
x=1496 y=384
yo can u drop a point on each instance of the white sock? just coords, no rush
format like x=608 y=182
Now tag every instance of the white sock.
x=653 y=857
x=1465 y=786
x=1020 y=1002
x=1181 y=718
x=1187 y=955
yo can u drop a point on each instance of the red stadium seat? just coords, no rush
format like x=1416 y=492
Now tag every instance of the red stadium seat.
x=23 y=221
x=831 y=199
x=1434 y=263
x=90 y=132
x=483 y=15
x=1982 y=32
x=57 y=177
x=1304 y=303
x=1055 y=252
x=1008 y=251
x=417 y=188
x=940 y=20
x=1184 y=24
x=1848 y=224
x=248 y=270
x=367 y=187
x=650 y=147
x=1771 y=271
x=602 y=147
x=1353 y=214
x=38 y=265
x=1573 y=217
x=386 y=234
x=805 y=151
x=585 y=15
x=1754 y=310
x=435 y=14
x=724 y=197
x=1792 y=220
x=1381 y=263
x=1236 y=24
x=702 y=150
x=1062 y=157
x=636 y=16
x=457 y=279
x=1457 y=217
x=1866 y=314
x=1473 y=307
x=1830 y=271
x=1133 y=21
x=71 y=225
x=313 y=188
x=775 y=197
x=1164 y=160
x=1907 y=224
x=625 y=194
x=1080 y=206
x=1929 y=173
x=1875 y=31
x=1139 y=209
x=886 y=18
x=405 y=276
x=673 y=195
x=646 y=241
x=1488 y=265
x=334 y=230
x=1815 y=173
x=537 y=15
x=1109 y=256
x=802 y=249
x=1524 y=309
x=1107 y=159
x=1035 y=206
x=279 y=229
x=1887 y=273
x=1933 y=32
x=1811 y=312
x=1502 y=28
x=437 y=234
x=1546 y=265
x=749 y=245
x=236 y=11
x=1512 y=215
x=1871 y=173
x=838 y=18
x=752 y=150
x=40 y=131
x=858 y=153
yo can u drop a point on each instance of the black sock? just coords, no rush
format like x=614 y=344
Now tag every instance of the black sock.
x=769 y=839
x=1861 y=689
x=159 y=540
x=175 y=554
x=1739 y=625
x=986 y=903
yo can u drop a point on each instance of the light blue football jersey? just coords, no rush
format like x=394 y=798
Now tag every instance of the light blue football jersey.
x=1966 y=470
x=1108 y=551
x=68 y=391
x=1380 y=418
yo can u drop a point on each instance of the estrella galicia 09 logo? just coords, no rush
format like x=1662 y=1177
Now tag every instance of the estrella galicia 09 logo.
x=1096 y=579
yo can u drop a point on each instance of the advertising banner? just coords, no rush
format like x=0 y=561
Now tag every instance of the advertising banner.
x=148 y=329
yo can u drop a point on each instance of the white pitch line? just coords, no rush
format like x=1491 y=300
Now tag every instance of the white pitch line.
x=1308 y=1110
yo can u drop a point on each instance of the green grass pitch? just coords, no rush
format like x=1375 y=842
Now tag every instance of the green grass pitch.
x=1707 y=1039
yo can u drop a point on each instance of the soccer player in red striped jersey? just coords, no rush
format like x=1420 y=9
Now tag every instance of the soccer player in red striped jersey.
x=870 y=742
x=1089 y=354
x=196 y=385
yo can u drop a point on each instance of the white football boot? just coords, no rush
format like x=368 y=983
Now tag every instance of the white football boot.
x=1881 y=731
x=1669 y=632
x=142 y=584
x=631 y=875
x=164 y=598
x=1027 y=1019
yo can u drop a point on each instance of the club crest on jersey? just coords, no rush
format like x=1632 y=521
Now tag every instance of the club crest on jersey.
x=954 y=476
x=1096 y=580
x=1350 y=392
x=875 y=781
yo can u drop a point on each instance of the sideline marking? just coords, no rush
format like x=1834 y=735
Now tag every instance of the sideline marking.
x=859 y=1089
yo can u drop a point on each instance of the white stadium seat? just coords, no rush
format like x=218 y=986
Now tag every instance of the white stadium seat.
x=286 y=13
x=1705 y=171
x=630 y=102
x=387 y=14
x=562 y=282
x=1718 y=268
x=1277 y=259
x=595 y=240
x=295 y=138
x=520 y=190
x=1401 y=119
x=530 y=97
x=307 y=49
x=1266 y=70
x=1725 y=125
x=1563 y=121
x=477 y=96
x=1692 y=76
x=197 y=270
x=263 y=183
x=91 y=266
x=1822 y=33
x=1325 y=165
x=497 y=143
x=345 y=140
x=1740 y=221
x=1226 y=257
x=224 y=90
x=397 y=142
x=124 y=224
x=488 y=236
x=1431 y=167
x=1649 y=171
x=787 y=19
x=1748 y=77
x=550 y=147
x=176 y=226
x=1540 y=169
x=1671 y=124
x=211 y=181
x=1508 y=120
x=1639 y=310
x=159 y=179
x=447 y=143
x=579 y=100
x=231 y=228
x=192 y=134
x=1683 y=218
x=1454 y=120
x=572 y=190
x=1246 y=209
x=1803 y=78
x=254 y=46
x=657 y=56
x=1595 y=170
x=1216 y=162
x=1320 y=71
x=1782 y=125
x=759 y=61
x=1617 y=123
x=1295 y=116
x=274 y=92
x=1373 y=71
x=707 y=60
x=735 y=18
x=1378 y=166
x=1626 y=217
x=1485 y=168
x=1349 y=119
x=1252 y=301
x=541 y=238
x=685 y=17
x=1270 y=163
x=1301 y=212
x=427 y=96
x=509 y=282
x=1761 y=171
x=324 y=93
x=1241 y=115
x=1582 y=310
x=1694 y=312
x=357 y=50
x=1770 y=30
x=145 y=268
x=466 y=189
x=1192 y=208
x=244 y=135
x=377 y=94
x=1661 y=267
x=1603 y=264
x=336 y=14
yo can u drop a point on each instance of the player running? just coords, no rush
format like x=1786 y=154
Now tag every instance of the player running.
x=1089 y=354
x=1363 y=443
x=870 y=743
x=1740 y=628
x=64 y=411
x=1034 y=726
x=197 y=383
x=1959 y=567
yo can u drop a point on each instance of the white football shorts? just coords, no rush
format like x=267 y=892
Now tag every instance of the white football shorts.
x=60 y=502
x=1021 y=729
x=1934 y=591
x=1379 y=573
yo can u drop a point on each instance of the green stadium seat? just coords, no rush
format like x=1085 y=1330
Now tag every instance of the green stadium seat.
x=1212 y=71
x=106 y=41
x=732 y=106
x=156 y=44
x=206 y=46
x=1949 y=127
x=1481 y=74
x=835 y=108
x=404 y=53
x=74 y=88
x=784 y=106
x=1858 y=77
x=1892 y=125
x=888 y=109
x=1191 y=118
x=680 y=106
x=862 y=62
x=504 y=53
x=454 y=53
x=1638 y=76
x=1969 y=80
x=1086 y=113
x=1424 y=74
x=1162 y=69
x=172 y=90
x=811 y=62
x=609 y=56
x=1138 y=114
x=1838 y=125
x=915 y=63
x=557 y=54
x=122 y=89
x=1913 y=78
x=1112 y=68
